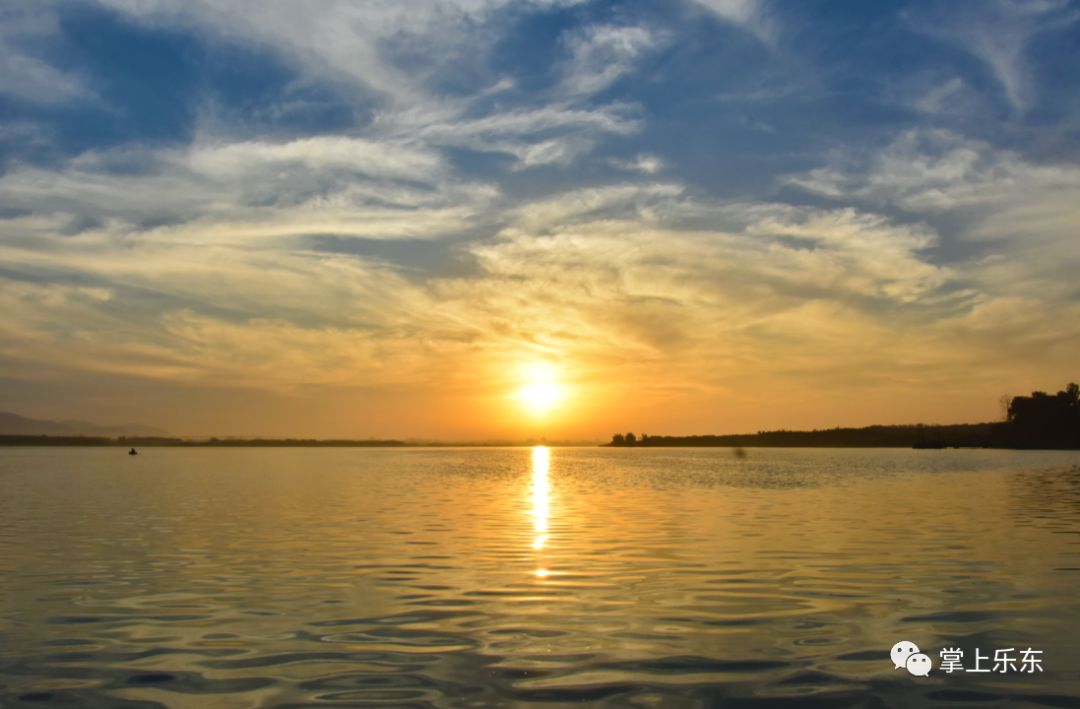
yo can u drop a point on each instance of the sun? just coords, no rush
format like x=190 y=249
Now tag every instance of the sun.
x=541 y=390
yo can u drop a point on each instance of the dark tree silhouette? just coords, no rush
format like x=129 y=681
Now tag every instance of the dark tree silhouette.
x=1045 y=421
x=1038 y=421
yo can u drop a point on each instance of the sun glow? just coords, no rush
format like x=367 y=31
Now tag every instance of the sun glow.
x=541 y=391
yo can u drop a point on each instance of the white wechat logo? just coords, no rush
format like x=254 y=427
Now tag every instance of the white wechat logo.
x=901 y=651
x=906 y=654
x=918 y=664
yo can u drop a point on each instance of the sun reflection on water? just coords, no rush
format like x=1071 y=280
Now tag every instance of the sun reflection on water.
x=541 y=502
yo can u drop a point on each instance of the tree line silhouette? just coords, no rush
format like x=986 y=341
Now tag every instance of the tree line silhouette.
x=125 y=441
x=1038 y=421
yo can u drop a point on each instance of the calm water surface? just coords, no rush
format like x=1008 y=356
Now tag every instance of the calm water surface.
x=520 y=577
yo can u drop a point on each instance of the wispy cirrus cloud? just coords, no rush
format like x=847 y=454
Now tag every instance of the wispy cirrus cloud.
x=216 y=192
x=24 y=73
x=752 y=15
x=935 y=171
x=999 y=33
x=599 y=55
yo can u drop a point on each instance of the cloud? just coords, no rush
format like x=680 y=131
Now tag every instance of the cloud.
x=602 y=54
x=266 y=318
x=644 y=163
x=768 y=294
x=381 y=159
x=998 y=32
x=555 y=134
x=750 y=15
x=353 y=43
x=606 y=273
x=938 y=171
x=560 y=210
x=622 y=279
x=343 y=40
x=1011 y=238
x=939 y=98
x=215 y=191
x=24 y=30
x=627 y=243
x=864 y=252
x=398 y=57
x=997 y=202
x=33 y=80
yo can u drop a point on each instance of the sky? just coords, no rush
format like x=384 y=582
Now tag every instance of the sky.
x=493 y=219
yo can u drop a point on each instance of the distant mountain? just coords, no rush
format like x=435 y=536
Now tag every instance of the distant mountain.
x=15 y=425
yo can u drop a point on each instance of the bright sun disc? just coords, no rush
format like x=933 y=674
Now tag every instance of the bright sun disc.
x=541 y=391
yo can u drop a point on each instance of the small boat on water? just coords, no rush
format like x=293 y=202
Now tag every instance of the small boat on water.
x=133 y=452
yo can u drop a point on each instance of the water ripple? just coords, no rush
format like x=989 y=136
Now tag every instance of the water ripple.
x=241 y=578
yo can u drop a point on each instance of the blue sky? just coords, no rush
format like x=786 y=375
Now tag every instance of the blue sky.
x=363 y=218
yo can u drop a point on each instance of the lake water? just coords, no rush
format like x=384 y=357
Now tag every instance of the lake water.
x=534 y=577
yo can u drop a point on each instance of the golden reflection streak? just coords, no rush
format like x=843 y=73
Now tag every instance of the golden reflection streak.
x=541 y=500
